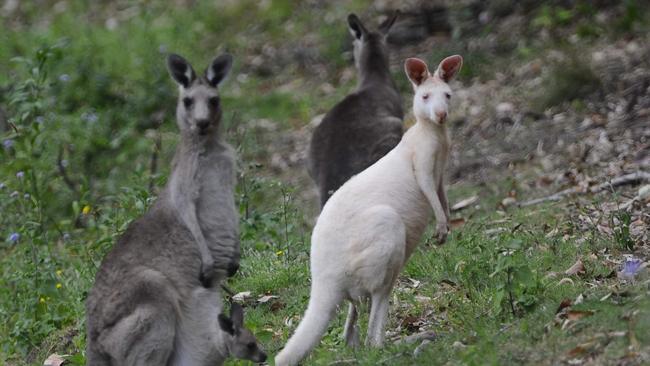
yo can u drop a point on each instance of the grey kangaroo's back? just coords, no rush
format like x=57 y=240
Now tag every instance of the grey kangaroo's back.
x=366 y=124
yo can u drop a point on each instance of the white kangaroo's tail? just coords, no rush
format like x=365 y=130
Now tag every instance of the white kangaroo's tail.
x=321 y=308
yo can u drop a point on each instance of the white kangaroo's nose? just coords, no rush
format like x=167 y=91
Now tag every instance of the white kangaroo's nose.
x=442 y=116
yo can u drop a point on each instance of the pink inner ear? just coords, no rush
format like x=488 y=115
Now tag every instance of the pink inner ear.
x=416 y=70
x=450 y=66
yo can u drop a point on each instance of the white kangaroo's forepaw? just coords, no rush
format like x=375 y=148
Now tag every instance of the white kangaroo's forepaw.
x=442 y=229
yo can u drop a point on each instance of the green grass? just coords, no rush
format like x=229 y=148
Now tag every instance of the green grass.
x=86 y=98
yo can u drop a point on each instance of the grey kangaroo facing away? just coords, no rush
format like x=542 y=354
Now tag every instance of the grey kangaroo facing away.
x=366 y=124
x=202 y=180
x=148 y=305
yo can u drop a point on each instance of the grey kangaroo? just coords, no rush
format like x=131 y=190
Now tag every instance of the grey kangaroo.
x=148 y=305
x=366 y=124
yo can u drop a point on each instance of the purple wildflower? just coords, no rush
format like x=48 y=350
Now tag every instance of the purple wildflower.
x=630 y=269
x=14 y=237
x=89 y=117
x=8 y=143
x=2 y=186
x=64 y=78
x=20 y=175
x=26 y=196
x=66 y=237
x=14 y=194
x=40 y=119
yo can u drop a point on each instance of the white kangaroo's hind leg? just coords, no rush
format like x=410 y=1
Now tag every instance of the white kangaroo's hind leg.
x=351 y=330
x=377 y=320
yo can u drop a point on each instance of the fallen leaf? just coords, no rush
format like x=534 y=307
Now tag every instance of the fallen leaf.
x=456 y=223
x=578 y=314
x=242 y=296
x=564 y=304
x=54 y=360
x=266 y=298
x=565 y=280
x=464 y=203
x=508 y=201
x=576 y=268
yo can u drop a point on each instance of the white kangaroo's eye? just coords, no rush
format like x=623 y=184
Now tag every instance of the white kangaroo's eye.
x=425 y=96
x=448 y=95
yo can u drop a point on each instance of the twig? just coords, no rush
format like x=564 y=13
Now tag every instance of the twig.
x=64 y=173
x=230 y=292
x=343 y=362
x=618 y=181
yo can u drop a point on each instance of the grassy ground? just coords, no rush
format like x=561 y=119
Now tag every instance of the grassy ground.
x=91 y=105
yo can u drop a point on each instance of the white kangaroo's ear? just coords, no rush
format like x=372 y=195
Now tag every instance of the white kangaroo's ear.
x=356 y=27
x=180 y=70
x=218 y=69
x=416 y=70
x=449 y=67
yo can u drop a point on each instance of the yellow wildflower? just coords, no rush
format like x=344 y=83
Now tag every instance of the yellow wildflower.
x=279 y=253
x=86 y=210
x=41 y=300
x=59 y=272
x=59 y=285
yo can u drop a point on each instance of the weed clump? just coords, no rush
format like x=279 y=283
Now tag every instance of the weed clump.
x=567 y=81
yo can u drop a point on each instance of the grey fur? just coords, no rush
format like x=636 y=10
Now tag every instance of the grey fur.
x=148 y=305
x=366 y=124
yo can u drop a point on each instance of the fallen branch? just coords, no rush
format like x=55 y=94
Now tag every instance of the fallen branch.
x=426 y=335
x=618 y=181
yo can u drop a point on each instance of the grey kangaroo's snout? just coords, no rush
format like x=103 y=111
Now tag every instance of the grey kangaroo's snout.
x=202 y=124
x=261 y=358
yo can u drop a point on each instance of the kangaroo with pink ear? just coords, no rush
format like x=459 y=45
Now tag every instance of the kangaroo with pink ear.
x=370 y=226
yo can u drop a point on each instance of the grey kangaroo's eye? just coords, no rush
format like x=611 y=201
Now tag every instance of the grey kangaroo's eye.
x=448 y=95
x=187 y=102
x=214 y=101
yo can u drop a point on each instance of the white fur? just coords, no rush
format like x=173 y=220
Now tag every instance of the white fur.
x=369 y=228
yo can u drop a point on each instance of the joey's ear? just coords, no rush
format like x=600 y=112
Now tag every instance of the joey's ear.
x=180 y=70
x=225 y=323
x=218 y=69
x=356 y=27
x=449 y=67
x=416 y=70
x=385 y=26
x=237 y=315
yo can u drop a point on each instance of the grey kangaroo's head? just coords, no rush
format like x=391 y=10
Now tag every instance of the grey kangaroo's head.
x=199 y=107
x=370 y=47
x=241 y=343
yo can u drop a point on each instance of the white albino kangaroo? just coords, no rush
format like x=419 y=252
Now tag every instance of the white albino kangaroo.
x=371 y=225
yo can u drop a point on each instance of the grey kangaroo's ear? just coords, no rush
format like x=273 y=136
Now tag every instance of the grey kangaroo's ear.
x=385 y=26
x=356 y=27
x=218 y=69
x=225 y=323
x=180 y=70
x=237 y=315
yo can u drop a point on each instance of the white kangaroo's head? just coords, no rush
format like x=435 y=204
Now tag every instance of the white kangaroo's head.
x=199 y=109
x=241 y=343
x=432 y=93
